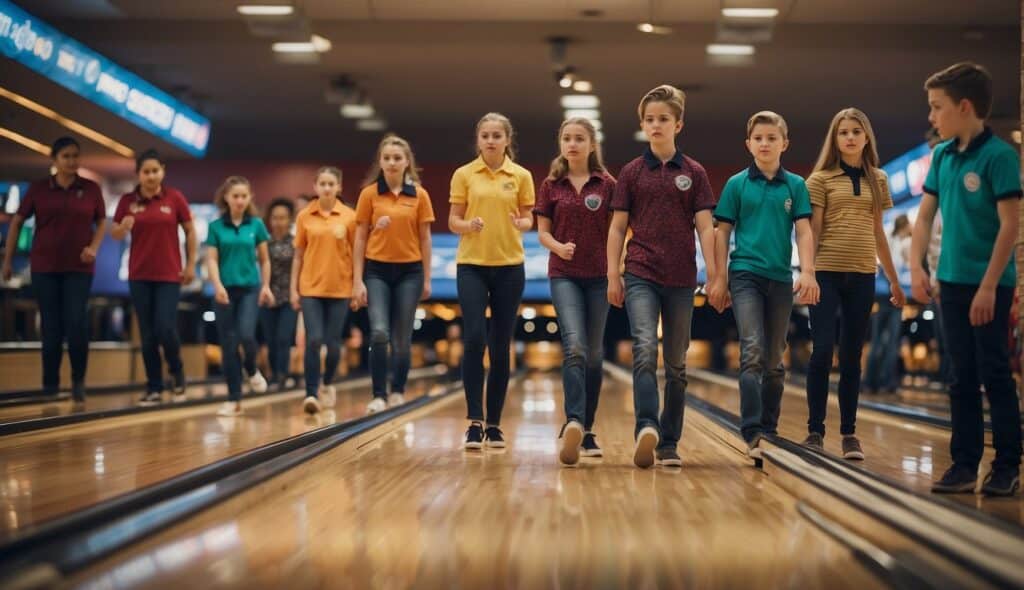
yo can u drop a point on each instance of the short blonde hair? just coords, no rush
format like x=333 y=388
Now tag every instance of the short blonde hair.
x=767 y=118
x=670 y=95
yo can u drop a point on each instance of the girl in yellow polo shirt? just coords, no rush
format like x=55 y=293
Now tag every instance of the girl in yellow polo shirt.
x=848 y=194
x=392 y=263
x=491 y=202
x=321 y=283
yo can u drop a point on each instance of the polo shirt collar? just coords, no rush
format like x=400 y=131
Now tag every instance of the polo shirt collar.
x=976 y=143
x=506 y=165
x=75 y=183
x=653 y=162
x=314 y=208
x=754 y=173
x=408 y=188
x=226 y=218
x=138 y=192
x=593 y=176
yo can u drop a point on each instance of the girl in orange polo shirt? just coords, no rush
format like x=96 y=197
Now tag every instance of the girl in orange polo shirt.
x=392 y=263
x=321 y=282
x=492 y=200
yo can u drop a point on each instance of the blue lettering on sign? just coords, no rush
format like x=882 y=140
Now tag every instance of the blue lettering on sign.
x=31 y=42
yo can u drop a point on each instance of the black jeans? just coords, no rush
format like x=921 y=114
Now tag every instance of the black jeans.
x=278 y=325
x=63 y=299
x=393 y=292
x=852 y=294
x=980 y=355
x=501 y=287
x=156 y=307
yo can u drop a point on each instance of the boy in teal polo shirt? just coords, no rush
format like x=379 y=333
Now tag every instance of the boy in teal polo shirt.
x=763 y=203
x=974 y=180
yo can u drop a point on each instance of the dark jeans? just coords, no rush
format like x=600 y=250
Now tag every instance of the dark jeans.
x=884 y=356
x=156 y=307
x=645 y=302
x=278 y=325
x=393 y=291
x=323 y=317
x=236 y=324
x=852 y=295
x=582 y=308
x=63 y=299
x=762 y=308
x=980 y=356
x=501 y=287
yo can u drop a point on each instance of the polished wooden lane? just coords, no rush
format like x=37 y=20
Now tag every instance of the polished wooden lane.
x=51 y=472
x=410 y=508
x=912 y=453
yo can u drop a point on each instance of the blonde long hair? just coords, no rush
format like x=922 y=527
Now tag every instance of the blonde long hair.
x=830 y=157
x=411 y=171
x=595 y=162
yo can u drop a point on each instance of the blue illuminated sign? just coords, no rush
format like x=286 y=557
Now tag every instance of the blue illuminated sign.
x=33 y=43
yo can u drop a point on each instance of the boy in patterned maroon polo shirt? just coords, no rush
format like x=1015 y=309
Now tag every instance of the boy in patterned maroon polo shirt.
x=662 y=196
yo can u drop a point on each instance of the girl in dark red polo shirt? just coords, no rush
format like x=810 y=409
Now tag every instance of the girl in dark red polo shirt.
x=70 y=221
x=151 y=214
x=573 y=211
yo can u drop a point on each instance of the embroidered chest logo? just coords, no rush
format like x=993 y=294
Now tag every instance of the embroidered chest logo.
x=683 y=182
x=136 y=208
x=788 y=205
x=972 y=182
x=509 y=186
x=339 y=232
x=592 y=202
x=165 y=209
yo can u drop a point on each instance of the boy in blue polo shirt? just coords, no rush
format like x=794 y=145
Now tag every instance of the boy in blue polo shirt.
x=763 y=203
x=974 y=180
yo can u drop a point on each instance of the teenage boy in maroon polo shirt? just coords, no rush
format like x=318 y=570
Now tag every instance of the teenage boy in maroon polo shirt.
x=662 y=196
x=70 y=222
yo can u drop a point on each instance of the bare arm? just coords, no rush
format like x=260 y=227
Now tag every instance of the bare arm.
x=12 y=244
x=120 y=231
x=1002 y=250
x=882 y=248
x=427 y=251
x=817 y=224
x=806 y=285
x=191 y=250
x=616 y=237
x=359 y=252
x=524 y=219
x=706 y=232
x=920 y=284
x=296 y=273
x=457 y=222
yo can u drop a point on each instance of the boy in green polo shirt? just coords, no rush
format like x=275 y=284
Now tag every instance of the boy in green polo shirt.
x=763 y=203
x=974 y=180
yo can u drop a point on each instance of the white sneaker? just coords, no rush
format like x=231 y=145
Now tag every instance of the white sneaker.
x=754 y=449
x=643 y=452
x=328 y=396
x=395 y=399
x=569 y=443
x=257 y=382
x=180 y=397
x=378 y=404
x=230 y=409
x=311 y=405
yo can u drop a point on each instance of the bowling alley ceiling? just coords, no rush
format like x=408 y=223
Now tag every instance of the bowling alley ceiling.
x=430 y=68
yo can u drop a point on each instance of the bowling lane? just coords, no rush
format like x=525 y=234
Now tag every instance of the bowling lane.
x=912 y=453
x=410 y=508
x=47 y=473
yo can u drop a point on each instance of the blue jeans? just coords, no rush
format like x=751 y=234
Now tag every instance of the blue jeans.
x=278 y=325
x=851 y=295
x=501 y=287
x=883 y=359
x=393 y=291
x=980 y=356
x=63 y=299
x=762 y=308
x=323 y=317
x=645 y=302
x=156 y=307
x=236 y=324
x=582 y=308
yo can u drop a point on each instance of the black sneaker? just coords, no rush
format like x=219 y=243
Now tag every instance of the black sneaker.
x=474 y=437
x=815 y=442
x=78 y=391
x=494 y=439
x=852 y=449
x=151 y=398
x=956 y=480
x=669 y=458
x=590 y=448
x=1001 y=481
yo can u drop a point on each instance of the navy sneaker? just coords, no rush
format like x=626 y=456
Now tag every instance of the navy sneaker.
x=1001 y=481
x=78 y=391
x=474 y=437
x=669 y=457
x=590 y=448
x=494 y=438
x=957 y=480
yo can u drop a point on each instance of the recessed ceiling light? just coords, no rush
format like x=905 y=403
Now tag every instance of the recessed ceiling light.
x=583 y=114
x=750 y=12
x=582 y=86
x=265 y=10
x=580 y=101
x=729 y=49
x=357 y=111
x=371 y=124
x=653 y=29
x=316 y=44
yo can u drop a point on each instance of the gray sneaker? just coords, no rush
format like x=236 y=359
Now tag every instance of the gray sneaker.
x=851 y=448
x=669 y=458
x=815 y=442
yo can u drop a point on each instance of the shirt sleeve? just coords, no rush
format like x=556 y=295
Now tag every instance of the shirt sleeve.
x=27 y=207
x=545 y=206
x=622 y=197
x=728 y=205
x=883 y=186
x=99 y=205
x=459 y=193
x=1004 y=174
x=184 y=213
x=801 y=200
x=262 y=235
x=815 y=186
x=122 y=208
x=703 y=196
x=364 y=208
x=527 y=195
x=931 y=180
x=212 y=235
x=300 y=231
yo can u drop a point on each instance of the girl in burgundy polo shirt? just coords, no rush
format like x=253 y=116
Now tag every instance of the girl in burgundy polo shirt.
x=151 y=214
x=573 y=211
x=70 y=221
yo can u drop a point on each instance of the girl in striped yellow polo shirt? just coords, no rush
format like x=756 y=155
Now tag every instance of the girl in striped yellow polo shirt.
x=848 y=194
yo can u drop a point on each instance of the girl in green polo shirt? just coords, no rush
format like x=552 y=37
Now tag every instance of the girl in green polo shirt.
x=236 y=241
